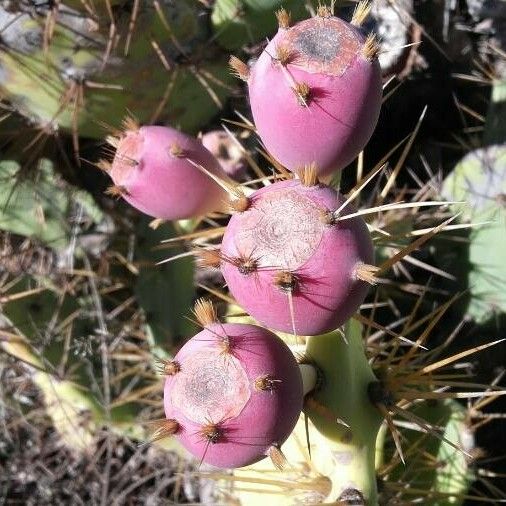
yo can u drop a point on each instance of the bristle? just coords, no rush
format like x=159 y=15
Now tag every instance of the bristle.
x=246 y=266
x=205 y=312
x=303 y=93
x=176 y=150
x=284 y=18
x=168 y=367
x=130 y=124
x=239 y=68
x=308 y=175
x=211 y=433
x=360 y=13
x=104 y=165
x=285 y=281
x=366 y=273
x=163 y=429
x=370 y=49
x=284 y=54
x=328 y=217
x=266 y=383
x=238 y=201
x=208 y=258
x=116 y=191
x=277 y=457
x=113 y=141
x=324 y=11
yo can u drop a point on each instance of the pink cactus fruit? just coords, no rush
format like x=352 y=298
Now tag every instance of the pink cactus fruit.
x=227 y=152
x=164 y=173
x=294 y=261
x=235 y=394
x=315 y=92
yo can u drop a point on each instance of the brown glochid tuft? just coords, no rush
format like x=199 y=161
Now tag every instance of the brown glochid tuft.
x=266 y=383
x=116 y=191
x=284 y=54
x=168 y=367
x=164 y=428
x=370 y=49
x=284 y=18
x=239 y=68
x=238 y=201
x=129 y=123
x=277 y=456
x=324 y=11
x=205 y=312
x=211 y=433
x=367 y=273
x=176 y=151
x=246 y=265
x=286 y=281
x=361 y=12
x=208 y=258
x=303 y=93
x=309 y=175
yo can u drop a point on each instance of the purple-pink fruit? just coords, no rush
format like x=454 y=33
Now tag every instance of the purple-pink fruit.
x=157 y=170
x=315 y=93
x=236 y=394
x=227 y=152
x=292 y=263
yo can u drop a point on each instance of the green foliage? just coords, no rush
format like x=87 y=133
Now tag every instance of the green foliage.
x=479 y=179
x=43 y=208
x=442 y=472
x=77 y=80
x=239 y=22
x=165 y=292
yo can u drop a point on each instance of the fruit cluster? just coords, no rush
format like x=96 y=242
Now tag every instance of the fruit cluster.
x=295 y=255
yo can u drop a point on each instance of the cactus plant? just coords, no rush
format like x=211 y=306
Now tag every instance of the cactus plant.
x=297 y=256
x=74 y=70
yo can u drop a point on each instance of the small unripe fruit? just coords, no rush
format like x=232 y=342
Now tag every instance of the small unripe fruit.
x=306 y=267
x=315 y=93
x=237 y=395
x=156 y=170
x=227 y=152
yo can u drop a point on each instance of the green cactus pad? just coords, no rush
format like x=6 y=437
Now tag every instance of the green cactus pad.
x=72 y=85
x=479 y=179
x=41 y=209
x=239 y=22
x=445 y=478
x=165 y=292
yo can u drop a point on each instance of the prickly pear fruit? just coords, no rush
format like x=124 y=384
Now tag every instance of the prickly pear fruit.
x=315 y=93
x=165 y=173
x=233 y=393
x=294 y=262
x=227 y=152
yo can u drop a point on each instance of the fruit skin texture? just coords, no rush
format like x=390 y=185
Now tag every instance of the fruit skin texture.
x=162 y=184
x=215 y=387
x=344 y=100
x=283 y=230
